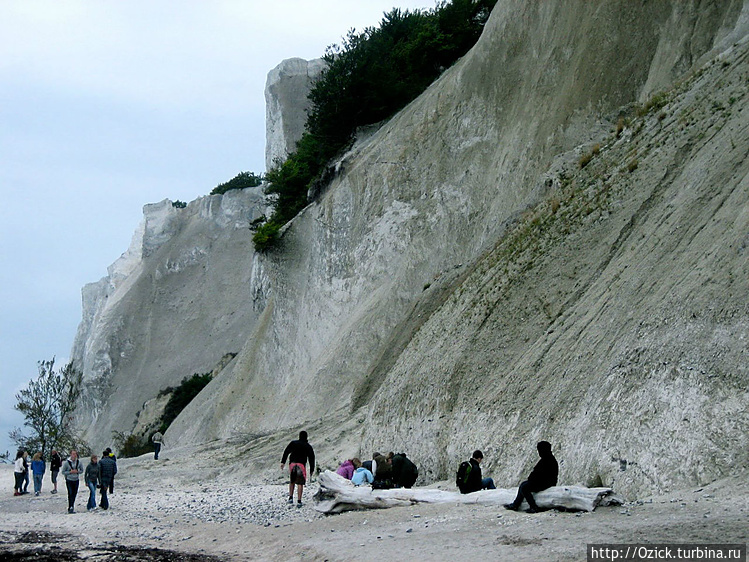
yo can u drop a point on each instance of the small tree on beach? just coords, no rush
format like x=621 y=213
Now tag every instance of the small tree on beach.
x=48 y=403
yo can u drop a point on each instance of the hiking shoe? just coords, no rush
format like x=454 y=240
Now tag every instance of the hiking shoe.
x=511 y=506
x=53 y=492
x=71 y=510
x=36 y=493
x=290 y=500
x=16 y=493
x=299 y=504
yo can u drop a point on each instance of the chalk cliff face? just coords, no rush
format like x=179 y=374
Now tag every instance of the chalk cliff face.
x=465 y=283
x=286 y=106
x=167 y=309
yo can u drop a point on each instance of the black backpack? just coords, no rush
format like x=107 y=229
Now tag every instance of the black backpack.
x=461 y=477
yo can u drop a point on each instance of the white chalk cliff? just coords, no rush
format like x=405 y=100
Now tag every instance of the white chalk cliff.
x=464 y=283
x=286 y=106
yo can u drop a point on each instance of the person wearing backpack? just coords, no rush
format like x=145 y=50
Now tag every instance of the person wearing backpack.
x=71 y=471
x=469 y=479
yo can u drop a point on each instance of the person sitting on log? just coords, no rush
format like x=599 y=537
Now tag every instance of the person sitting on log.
x=405 y=471
x=384 y=472
x=362 y=476
x=469 y=477
x=543 y=476
x=371 y=465
x=348 y=467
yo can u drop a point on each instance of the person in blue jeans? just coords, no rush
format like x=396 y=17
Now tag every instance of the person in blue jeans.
x=91 y=478
x=475 y=480
x=107 y=470
x=38 y=468
x=71 y=471
x=157 y=440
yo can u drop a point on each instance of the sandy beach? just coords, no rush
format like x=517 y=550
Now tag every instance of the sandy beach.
x=164 y=510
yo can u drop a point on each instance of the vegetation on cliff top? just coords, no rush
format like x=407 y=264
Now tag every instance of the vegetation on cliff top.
x=241 y=181
x=370 y=76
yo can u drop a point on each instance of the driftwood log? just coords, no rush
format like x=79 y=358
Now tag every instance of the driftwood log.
x=337 y=494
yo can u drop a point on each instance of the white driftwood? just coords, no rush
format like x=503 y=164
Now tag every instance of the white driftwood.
x=337 y=494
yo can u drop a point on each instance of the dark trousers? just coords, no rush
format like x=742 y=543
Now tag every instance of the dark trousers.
x=156 y=449
x=72 y=491
x=19 y=481
x=104 y=500
x=525 y=491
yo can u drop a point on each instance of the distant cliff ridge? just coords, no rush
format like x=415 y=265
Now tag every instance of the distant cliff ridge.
x=550 y=242
x=165 y=310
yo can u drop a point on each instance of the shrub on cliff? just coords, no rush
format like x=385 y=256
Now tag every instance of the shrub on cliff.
x=241 y=181
x=130 y=445
x=378 y=71
x=266 y=235
x=181 y=396
x=369 y=77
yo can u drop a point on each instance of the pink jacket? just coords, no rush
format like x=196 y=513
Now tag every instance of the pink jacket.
x=346 y=469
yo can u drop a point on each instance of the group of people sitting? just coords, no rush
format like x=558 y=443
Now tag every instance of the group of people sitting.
x=398 y=471
x=382 y=471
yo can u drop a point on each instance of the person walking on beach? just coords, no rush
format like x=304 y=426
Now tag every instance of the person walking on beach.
x=544 y=475
x=108 y=453
x=91 y=478
x=71 y=470
x=107 y=470
x=299 y=452
x=55 y=462
x=38 y=467
x=157 y=439
x=18 y=472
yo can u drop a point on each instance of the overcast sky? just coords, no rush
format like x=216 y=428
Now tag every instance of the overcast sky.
x=106 y=106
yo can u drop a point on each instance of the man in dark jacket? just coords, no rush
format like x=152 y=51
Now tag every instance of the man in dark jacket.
x=543 y=476
x=107 y=470
x=405 y=472
x=299 y=452
x=54 y=465
x=475 y=481
x=383 y=474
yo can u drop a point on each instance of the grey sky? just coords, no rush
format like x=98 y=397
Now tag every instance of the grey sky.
x=107 y=106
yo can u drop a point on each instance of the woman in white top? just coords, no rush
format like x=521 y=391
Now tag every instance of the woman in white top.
x=19 y=471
